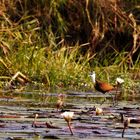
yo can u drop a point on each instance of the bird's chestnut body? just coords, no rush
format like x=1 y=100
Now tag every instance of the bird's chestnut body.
x=102 y=86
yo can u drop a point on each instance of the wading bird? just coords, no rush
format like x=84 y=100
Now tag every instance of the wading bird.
x=104 y=87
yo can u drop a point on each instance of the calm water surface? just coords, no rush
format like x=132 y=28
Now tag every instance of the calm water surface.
x=17 y=111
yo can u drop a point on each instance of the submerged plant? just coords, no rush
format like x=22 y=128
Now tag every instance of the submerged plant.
x=60 y=101
x=126 y=123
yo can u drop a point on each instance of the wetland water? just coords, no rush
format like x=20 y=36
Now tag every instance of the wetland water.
x=17 y=111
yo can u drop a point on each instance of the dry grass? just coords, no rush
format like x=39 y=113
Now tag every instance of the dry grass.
x=58 y=43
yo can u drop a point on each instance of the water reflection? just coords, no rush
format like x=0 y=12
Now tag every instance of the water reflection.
x=18 y=109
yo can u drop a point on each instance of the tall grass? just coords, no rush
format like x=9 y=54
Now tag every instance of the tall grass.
x=58 y=44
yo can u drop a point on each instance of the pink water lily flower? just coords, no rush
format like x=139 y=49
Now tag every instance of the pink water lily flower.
x=119 y=80
x=68 y=116
x=99 y=111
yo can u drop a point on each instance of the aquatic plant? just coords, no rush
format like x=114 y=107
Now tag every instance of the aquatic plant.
x=68 y=117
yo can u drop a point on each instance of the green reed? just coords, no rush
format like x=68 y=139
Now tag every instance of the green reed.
x=60 y=50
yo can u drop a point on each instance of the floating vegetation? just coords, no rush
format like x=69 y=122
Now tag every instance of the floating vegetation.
x=27 y=119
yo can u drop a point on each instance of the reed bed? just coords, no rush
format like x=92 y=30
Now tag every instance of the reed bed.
x=58 y=43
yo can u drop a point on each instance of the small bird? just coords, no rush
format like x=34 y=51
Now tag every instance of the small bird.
x=100 y=86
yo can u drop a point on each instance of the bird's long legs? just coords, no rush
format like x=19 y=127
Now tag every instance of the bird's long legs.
x=113 y=99
x=103 y=101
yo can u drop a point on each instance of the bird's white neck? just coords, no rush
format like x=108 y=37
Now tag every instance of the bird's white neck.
x=93 y=76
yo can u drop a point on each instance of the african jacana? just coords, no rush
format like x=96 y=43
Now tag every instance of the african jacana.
x=100 y=86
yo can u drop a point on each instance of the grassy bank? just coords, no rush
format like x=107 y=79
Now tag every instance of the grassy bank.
x=59 y=50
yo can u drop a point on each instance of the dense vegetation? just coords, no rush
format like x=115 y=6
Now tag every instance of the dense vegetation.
x=58 y=42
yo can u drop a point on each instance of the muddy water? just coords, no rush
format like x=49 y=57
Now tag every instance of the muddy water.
x=17 y=111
